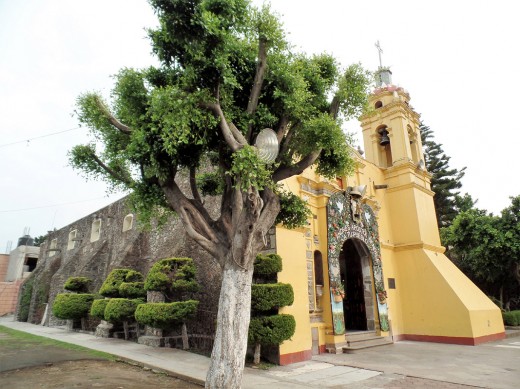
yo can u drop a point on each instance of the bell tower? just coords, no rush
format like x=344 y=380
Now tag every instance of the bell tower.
x=391 y=127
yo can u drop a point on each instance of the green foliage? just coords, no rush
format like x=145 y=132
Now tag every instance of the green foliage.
x=487 y=249
x=165 y=315
x=267 y=265
x=25 y=299
x=72 y=305
x=119 y=310
x=38 y=240
x=172 y=276
x=271 y=330
x=294 y=211
x=511 y=318
x=78 y=284
x=132 y=289
x=98 y=308
x=248 y=171
x=110 y=287
x=265 y=297
x=445 y=181
x=210 y=184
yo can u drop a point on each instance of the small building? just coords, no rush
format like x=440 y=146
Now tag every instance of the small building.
x=14 y=269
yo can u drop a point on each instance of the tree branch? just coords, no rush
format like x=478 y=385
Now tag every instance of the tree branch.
x=193 y=185
x=112 y=120
x=288 y=171
x=224 y=127
x=334 y=107
x=237 y=134
x=198 y=226
x=257 y=83
x=282 y=128
x=112 y=172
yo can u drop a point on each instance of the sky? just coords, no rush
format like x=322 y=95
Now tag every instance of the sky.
x=459 y=61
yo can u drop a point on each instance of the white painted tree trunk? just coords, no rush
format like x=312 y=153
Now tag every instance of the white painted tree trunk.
x=230 y=346
x=256 y=356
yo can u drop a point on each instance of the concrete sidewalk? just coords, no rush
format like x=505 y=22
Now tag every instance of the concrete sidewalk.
x=401 y=365
x=193 y=367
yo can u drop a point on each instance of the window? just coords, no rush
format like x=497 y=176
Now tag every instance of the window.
x=378 y=104
x=128 y=222
x=52 y=247
x=96 y=230
x=72 y=239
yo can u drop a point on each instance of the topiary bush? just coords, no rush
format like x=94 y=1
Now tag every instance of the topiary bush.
x=173 y=277
x=268 y=295
x=78 y=284
x=265 y=297
x=267 y=265
x=98 y=308
x=165 y=315
x=119 y=310
x=511 y=318
x=132 y=289
x=274 y=329
x=110 y=287
x=72 y=306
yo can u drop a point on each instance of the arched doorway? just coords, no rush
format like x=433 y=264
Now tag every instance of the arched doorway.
x=356 y=276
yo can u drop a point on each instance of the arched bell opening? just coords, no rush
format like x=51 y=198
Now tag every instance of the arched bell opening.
x=356 y=276
x=385 y=147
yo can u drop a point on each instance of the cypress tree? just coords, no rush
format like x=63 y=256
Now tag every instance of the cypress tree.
x=445 y=181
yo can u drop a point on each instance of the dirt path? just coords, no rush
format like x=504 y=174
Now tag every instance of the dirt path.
x=28 y=361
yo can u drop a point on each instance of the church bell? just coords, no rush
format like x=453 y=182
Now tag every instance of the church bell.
x=385 y=140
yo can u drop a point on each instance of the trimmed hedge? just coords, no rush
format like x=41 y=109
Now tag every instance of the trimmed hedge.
x=265 y=297
x=132 y=289
x=98 y=308
x=78 y=284
x=119 y=310
x=274 y=329
x=72 y=305
x=165 y=315
x=267 y=265
x=110 y=287
x=172 y=276
x=511 y=318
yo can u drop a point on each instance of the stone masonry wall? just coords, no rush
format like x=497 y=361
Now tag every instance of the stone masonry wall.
x=136 y=249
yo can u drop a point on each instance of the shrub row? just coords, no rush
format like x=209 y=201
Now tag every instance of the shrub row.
x=265 y=297
x=164 y=315
x=511 y=318
x=110 y=287
x=132 y=289
x=72 y=305
x=172 y=276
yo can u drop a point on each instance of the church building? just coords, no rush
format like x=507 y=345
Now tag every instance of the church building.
x=369 y=268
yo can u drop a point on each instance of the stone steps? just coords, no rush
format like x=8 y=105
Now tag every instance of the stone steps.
x=357 y=341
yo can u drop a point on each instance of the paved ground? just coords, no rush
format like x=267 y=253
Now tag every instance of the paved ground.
x=401 y=365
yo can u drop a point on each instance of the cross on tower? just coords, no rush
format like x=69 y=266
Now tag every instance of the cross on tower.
x=380 y=51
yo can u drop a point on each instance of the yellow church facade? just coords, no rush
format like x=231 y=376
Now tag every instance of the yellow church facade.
x=369 y=264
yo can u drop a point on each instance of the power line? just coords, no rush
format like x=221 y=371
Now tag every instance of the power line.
x=50 y=206
x=39 y=137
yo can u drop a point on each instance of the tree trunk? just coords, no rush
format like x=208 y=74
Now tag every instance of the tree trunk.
x=256 y=358
x=125 y=328
x=234 y=312
x=185 y=343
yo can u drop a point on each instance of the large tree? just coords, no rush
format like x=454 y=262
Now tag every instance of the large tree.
x=445 y=181
x=487 y=249
x=227 y=73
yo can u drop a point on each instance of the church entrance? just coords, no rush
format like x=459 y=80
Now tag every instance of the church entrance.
x=356 y=276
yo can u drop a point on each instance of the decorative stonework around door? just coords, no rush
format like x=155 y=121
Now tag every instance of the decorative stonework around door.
x=349 y=218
